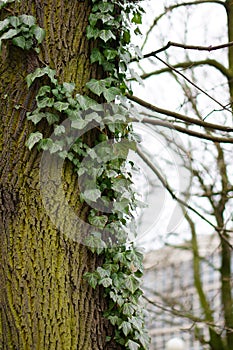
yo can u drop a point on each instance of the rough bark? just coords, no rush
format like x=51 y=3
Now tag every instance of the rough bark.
x=44 y=301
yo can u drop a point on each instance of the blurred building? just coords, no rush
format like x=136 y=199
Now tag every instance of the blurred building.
x=169 y=283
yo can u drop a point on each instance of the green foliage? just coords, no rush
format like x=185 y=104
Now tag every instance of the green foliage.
x=22 y=31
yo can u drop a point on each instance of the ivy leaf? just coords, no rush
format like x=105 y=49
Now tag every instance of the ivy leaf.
x=92 y=195
x=106 y=282
x=39 y=72
x=96 y=56
x=127 y=37
x=126 y=327
x=110 y=54
x=14 y=21
x=45 y=144
x=97 y=86
x=92 y=32
x=45 y=102
x=131 y=283
x=59 y=129
x=38 y=32
x=56 y=147
x=28 y=20
x=132 y=345
x=34 y=138
x=103 y=7
x=9 y=34
x=103 y=272
x=106 y=35
x=35 y=118
x=85 y=102
x=114 y=320
x=111 y=93
x=143 y=338
x=44 y=90
x=137 y=18
x=69 y=87
x=19 y=41
x=128 y=309
x=51 y=118
x=92 y=278
x=4 y=24
x=79 y=124
x=98 y=221
x=61 y=106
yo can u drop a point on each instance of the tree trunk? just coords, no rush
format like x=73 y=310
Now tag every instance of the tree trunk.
x=44 y=302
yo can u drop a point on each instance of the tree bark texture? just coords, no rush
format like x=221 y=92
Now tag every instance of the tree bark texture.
x=44 y=301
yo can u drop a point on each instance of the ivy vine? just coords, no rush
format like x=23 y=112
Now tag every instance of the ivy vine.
x=109 y=25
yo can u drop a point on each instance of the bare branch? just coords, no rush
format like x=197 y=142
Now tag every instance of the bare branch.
x=191 y=64
x=179 y=116
x=186 y=131
x=188 y=47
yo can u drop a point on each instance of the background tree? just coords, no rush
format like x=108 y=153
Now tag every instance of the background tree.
x=188 y=87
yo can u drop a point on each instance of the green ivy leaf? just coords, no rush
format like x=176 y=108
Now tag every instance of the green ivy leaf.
x=14 y=21
x=111 y=93
x=106 y=35
x=96 y=56
x=35 y=118
x=131 y=283
x=20 y=42
x=143 y=338
x=97 y=86
x=85 y=102
x=137 y=18
x=98 y=221
x=79 y=124
x=110 y=54
x=127 y=37
x=38 y=32
x=39 y=72
x=9 y=34
x=106 y=282
x=4 y=24
x=104 y=7
x=114 y=320
x=68 y=87
x=59 y=129
x=128 y=309
x=92 y=278
x=92 y=32
x=132 y=345
x=34 y=138
x=92 y=195
x=28 y=20
x=61 y=106
x=56 y=147
x=45 y=102
x=51 y=118
x=45 y=144
x=126 y=327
